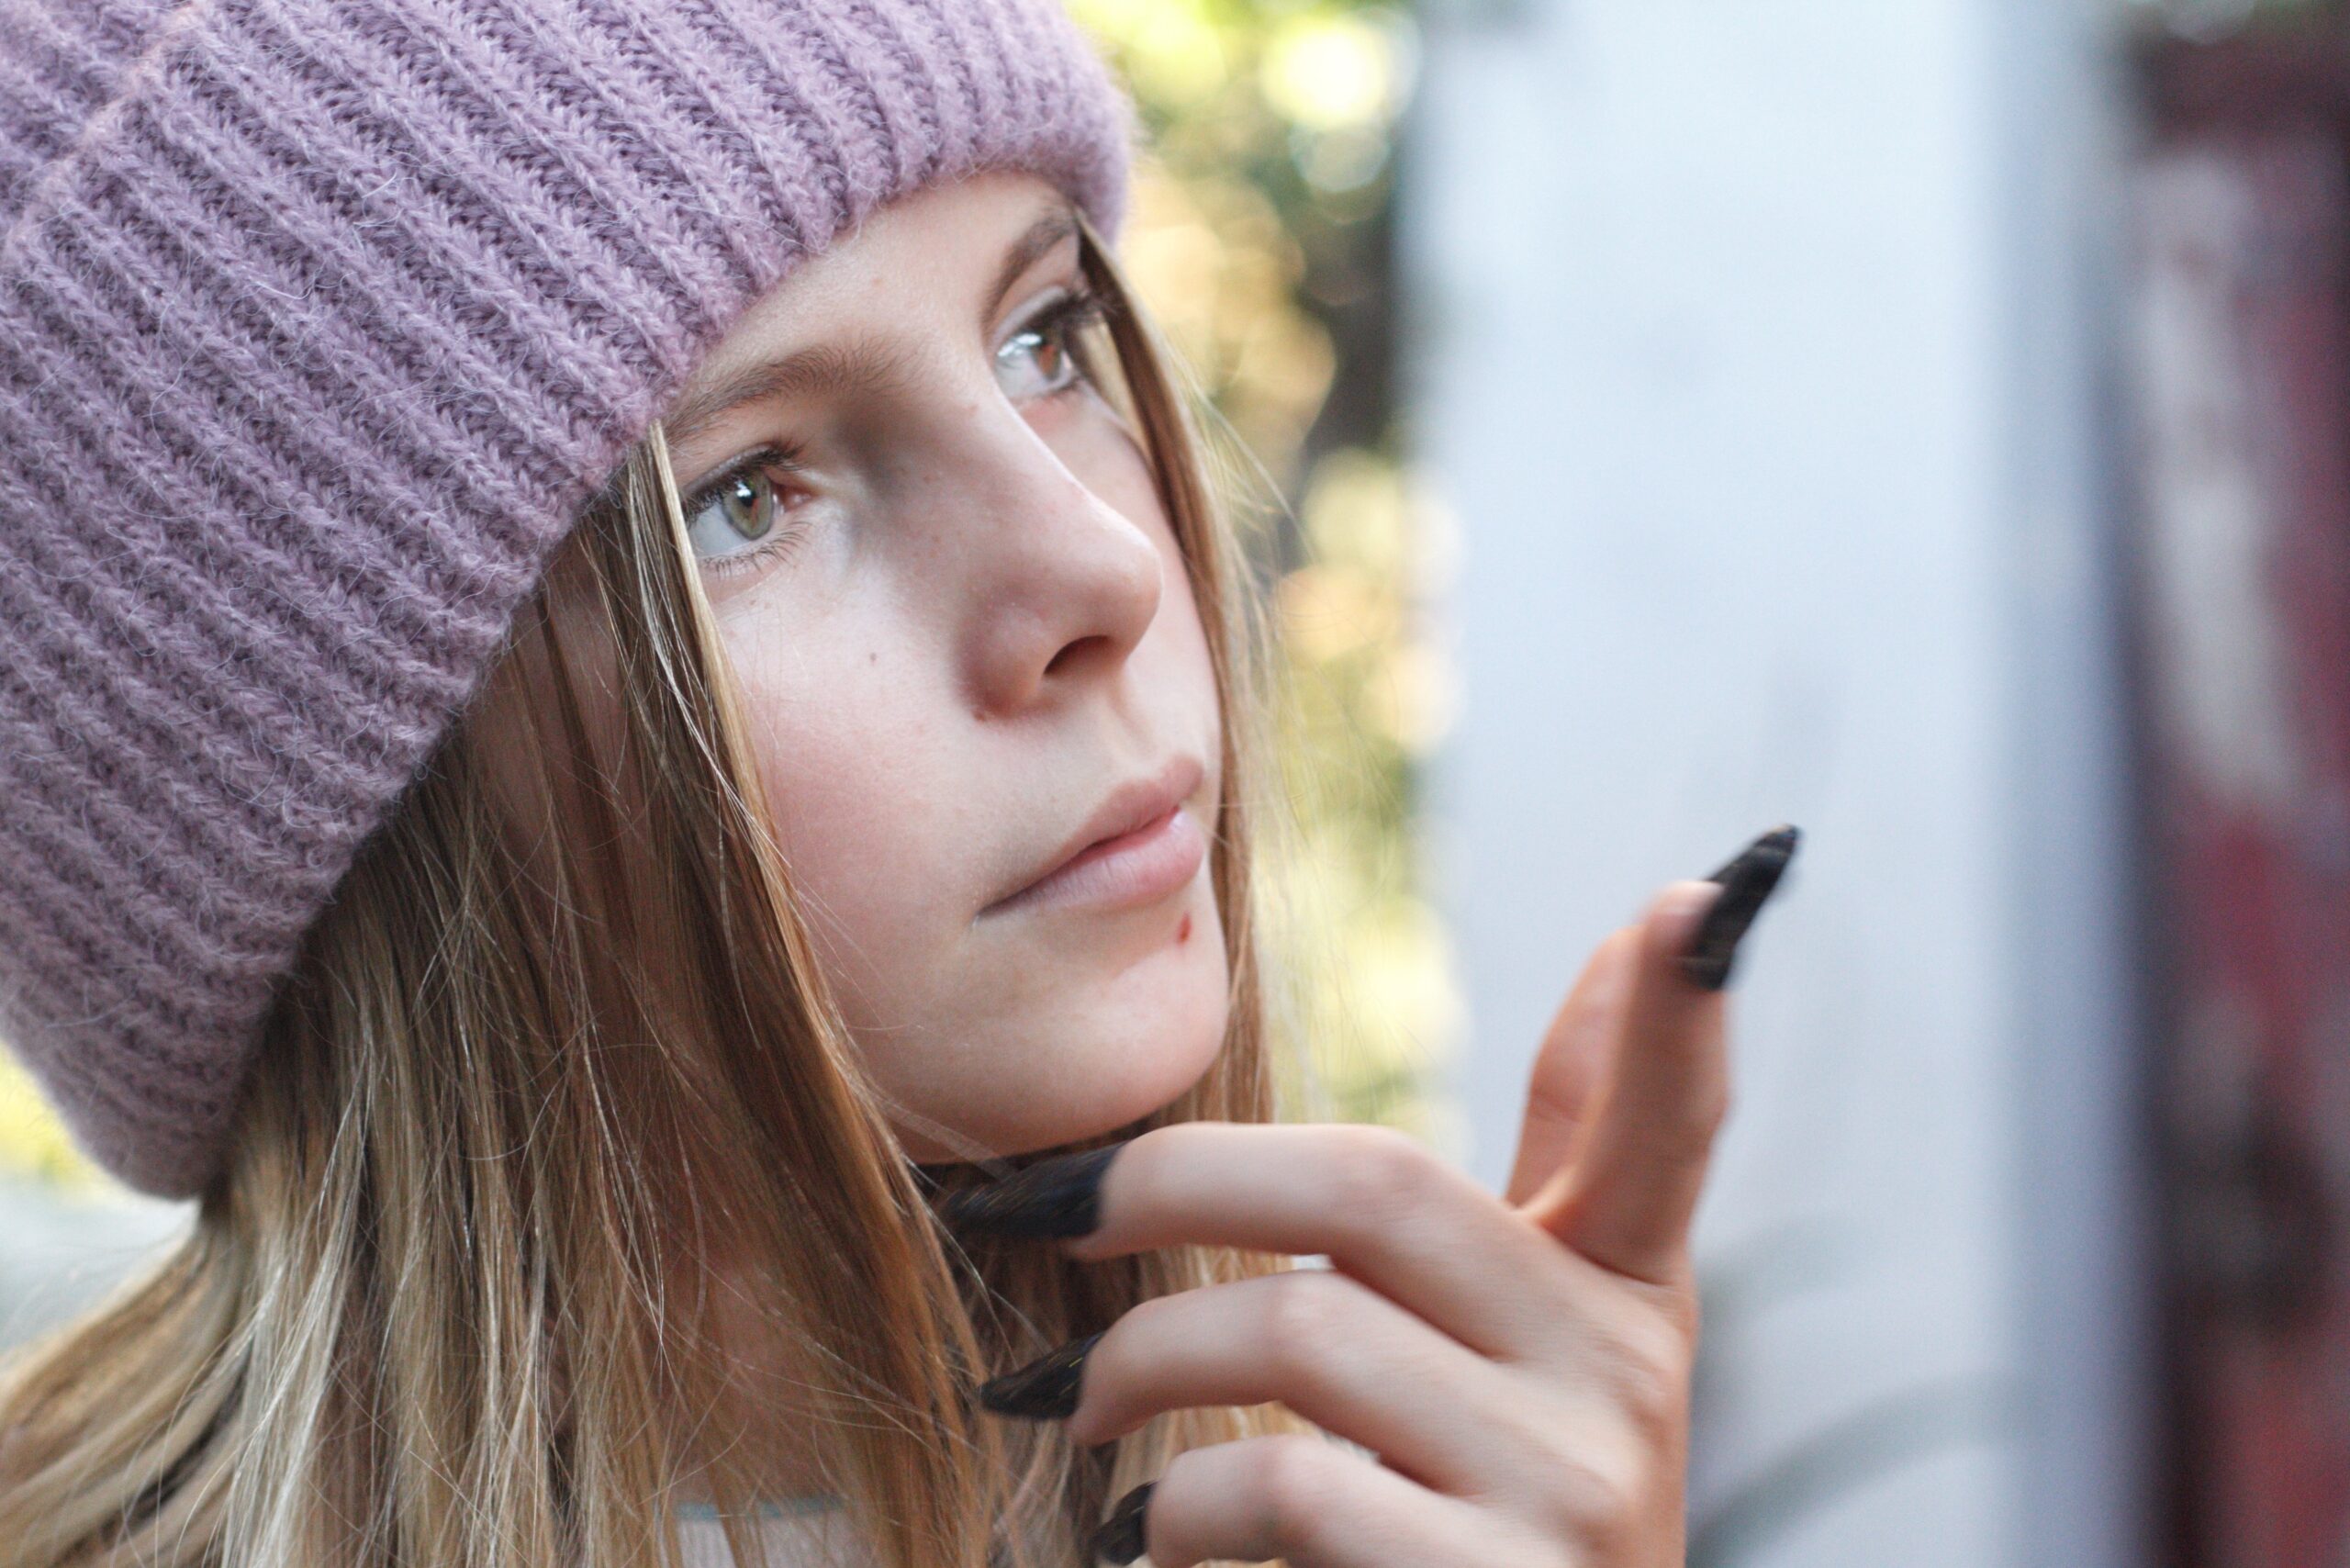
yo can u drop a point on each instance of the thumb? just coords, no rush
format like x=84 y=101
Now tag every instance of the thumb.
x=1572 y=1066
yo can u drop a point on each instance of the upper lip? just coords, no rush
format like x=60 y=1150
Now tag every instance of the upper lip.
x=1136 y=803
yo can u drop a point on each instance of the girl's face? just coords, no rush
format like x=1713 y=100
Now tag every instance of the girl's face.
x=977 y=685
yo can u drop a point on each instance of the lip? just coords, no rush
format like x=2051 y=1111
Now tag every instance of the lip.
x=1140 y=845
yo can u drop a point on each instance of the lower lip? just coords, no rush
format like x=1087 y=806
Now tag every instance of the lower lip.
x=1139 y=868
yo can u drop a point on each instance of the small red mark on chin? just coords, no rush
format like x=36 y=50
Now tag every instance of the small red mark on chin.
x=1184 y=931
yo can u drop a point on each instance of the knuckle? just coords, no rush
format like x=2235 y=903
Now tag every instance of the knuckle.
x=1380 y=1173
x=1306 y=1314
x=1651 y=1374
x=1604 y=1487
x=1297 y=1480
x=1611 y=1333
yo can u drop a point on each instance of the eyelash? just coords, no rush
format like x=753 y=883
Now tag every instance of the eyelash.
x=1070 y=316
x=1083 y=306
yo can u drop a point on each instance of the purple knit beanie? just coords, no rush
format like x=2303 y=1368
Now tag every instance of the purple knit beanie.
x=320 y=320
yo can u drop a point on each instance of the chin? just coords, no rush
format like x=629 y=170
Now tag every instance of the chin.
x=1137 y=1083
x=1149 y=1093
x=1144 y=1057
x=1061 y=1096
x=1083 y=1055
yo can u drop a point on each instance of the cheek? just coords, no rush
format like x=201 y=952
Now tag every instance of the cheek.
x=862 y=806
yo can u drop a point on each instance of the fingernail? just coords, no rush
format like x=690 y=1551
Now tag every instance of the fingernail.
x=1056 y=1197
x=1045 y=1389
x=1746 y=882
x=1120 y=1538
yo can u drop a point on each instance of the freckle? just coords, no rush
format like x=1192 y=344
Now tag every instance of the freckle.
x=1184 y=931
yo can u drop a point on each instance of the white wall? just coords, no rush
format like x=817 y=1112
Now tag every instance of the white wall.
x=1760 y=371
x=61 y=1251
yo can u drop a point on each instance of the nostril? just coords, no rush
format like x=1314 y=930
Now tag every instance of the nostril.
x=1070 y=654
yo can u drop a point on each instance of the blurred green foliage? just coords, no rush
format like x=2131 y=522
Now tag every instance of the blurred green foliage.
x=1260 y=238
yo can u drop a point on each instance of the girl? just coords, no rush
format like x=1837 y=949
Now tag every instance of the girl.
x=620 y=681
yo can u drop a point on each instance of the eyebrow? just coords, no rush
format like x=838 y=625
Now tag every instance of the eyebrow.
x=862 y=365
x=1041 y=235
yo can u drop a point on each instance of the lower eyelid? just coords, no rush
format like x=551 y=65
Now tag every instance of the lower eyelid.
x=787 y=539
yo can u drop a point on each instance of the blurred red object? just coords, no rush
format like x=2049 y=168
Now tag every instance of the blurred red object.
x=2240 y=328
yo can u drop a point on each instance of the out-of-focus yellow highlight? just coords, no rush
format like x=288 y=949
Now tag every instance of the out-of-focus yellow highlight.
x=1332 y=72
x=32 y=1141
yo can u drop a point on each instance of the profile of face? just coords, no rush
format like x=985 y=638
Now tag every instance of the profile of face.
x=976 y=683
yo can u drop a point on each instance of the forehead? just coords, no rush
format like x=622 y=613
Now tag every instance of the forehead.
x=928 y=263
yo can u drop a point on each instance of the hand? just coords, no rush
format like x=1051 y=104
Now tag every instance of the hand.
x=1520 y=1366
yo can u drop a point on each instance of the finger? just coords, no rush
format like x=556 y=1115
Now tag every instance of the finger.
x=1343 y=1357
x=1382 y=1208
x=1631 y=1197
x=1310 y=1503
x=1571 y=1069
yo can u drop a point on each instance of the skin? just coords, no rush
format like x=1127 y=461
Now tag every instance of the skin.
x=974 y=623
x=982 y=627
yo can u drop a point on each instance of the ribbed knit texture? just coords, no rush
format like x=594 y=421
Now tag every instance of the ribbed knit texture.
x=318 y=321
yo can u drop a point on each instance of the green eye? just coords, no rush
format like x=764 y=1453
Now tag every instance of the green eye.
x=748 y=503
x=741 y=508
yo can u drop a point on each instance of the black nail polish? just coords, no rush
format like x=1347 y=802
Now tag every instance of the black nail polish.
x=1120 y=1538
x=1045 y=1389
x=1746 y=882
x=1056 y=1197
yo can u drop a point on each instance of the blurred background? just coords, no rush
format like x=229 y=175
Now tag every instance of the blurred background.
x=1924 y=420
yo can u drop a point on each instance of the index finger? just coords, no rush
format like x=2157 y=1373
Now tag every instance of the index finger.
x=1627 y=1203
x=1384 y=1208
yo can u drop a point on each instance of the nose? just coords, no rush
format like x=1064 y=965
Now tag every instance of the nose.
x=1064 y=585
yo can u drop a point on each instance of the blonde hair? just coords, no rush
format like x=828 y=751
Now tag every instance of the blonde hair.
x=555 y=1052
